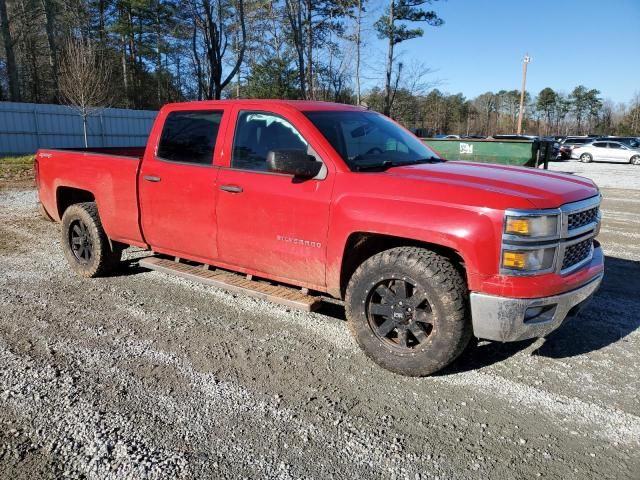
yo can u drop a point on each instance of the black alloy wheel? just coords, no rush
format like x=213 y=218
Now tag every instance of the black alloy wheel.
x=400 y=314
x=80 y=241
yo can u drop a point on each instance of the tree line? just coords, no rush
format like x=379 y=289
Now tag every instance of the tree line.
x=165 y=50
x=580 y=112
x=144 y=53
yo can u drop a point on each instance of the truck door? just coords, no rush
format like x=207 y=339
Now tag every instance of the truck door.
x=177 y=185
x=269 y=222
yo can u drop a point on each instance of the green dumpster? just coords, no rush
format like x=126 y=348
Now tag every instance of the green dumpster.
x=530 y=153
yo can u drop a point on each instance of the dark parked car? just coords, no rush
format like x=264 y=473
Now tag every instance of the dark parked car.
x=569 y=143
x=514 y=137
x=556 y=147
x=633 y=142
x=441 y=136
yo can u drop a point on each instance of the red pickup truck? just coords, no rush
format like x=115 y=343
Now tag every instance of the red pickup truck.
x=303 y=199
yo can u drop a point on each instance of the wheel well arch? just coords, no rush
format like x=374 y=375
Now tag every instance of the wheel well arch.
x=362 y=245
x=67 y=196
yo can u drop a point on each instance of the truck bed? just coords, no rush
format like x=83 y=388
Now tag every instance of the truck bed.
x=108 y=175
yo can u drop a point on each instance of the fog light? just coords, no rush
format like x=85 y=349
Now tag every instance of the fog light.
x=514 y=260
x=539 y=314
x=534 y=260
x=532 y=312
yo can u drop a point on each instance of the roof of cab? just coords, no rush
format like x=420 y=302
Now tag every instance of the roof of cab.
x=301 y=105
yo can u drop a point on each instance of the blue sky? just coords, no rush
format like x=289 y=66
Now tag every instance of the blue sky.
x=571 y=42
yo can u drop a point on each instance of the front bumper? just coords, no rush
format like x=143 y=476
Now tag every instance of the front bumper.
x=511 y=319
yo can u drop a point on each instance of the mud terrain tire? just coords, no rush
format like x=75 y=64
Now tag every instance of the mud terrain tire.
x=407 y=308
x=84 y=242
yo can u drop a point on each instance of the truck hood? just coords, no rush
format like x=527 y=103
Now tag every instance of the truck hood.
x=543 y=189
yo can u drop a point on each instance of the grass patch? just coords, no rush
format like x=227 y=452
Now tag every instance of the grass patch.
x=16 y=168
x=17 y=161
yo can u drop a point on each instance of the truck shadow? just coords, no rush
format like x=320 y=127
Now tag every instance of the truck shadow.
x=612 y=315
x=127 y=268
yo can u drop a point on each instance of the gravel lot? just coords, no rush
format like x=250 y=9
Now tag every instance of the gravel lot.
x=605 y=174
x=144 y=375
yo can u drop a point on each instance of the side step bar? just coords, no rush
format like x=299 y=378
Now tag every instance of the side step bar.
x=233 y=282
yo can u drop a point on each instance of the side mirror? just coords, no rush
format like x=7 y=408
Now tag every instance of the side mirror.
x=293 y=162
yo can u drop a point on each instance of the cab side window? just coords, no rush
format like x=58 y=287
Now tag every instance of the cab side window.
x=190 y=136
x=258 y=133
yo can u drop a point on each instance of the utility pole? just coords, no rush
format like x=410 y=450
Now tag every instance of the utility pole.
x=525 y=62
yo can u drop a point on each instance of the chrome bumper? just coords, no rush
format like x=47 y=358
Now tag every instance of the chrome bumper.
x=512 y=319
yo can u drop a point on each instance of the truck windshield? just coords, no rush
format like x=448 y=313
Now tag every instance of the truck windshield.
x=369 y=140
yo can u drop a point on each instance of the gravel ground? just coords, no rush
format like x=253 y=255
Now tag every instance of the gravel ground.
x=144 y=375
x=606 y=174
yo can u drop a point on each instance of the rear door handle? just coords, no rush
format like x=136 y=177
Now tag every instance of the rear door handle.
x=151 y=178
x=231 y=188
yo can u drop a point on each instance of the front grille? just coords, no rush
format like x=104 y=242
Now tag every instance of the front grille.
x=576 y=253
x=580 y=219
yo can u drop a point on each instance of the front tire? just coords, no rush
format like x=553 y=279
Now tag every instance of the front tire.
x=635 y=160
x=407 y=309
x=586 y=158
x=85 y=243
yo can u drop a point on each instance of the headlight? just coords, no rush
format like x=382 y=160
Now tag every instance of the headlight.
x=533 y=226
x=528 y=260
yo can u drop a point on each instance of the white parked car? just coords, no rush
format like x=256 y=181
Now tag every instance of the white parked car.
x=606 y=152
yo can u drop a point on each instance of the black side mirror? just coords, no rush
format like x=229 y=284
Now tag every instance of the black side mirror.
x=293 y=162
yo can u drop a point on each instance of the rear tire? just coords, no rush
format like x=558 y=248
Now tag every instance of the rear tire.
x=407 y=309
x=586 y=158
x=85 y=243
x=635 y=160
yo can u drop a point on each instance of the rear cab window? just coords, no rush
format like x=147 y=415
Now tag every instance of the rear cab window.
x=189 y=136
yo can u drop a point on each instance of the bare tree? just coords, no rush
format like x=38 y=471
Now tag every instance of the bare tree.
x=48 y=7
x=216 y=23
x=358 y=43
x=294 y=14
x=390 y=27
x=635 y=113
x=14 y=87
x=84 y=80
x=415 y=79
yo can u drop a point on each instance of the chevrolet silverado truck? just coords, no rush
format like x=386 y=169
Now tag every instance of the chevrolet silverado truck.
x=295 y=201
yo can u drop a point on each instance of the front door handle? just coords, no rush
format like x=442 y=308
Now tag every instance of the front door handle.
x=231 y=188
x=151 y=178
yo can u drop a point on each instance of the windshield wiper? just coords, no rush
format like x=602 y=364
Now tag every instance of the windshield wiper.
x=389 y=164
x=425 y=160
x=375 y=166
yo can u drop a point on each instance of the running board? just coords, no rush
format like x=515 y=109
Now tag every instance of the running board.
x=234 y=282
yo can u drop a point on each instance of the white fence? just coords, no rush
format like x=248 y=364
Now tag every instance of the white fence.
x=25 y=127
